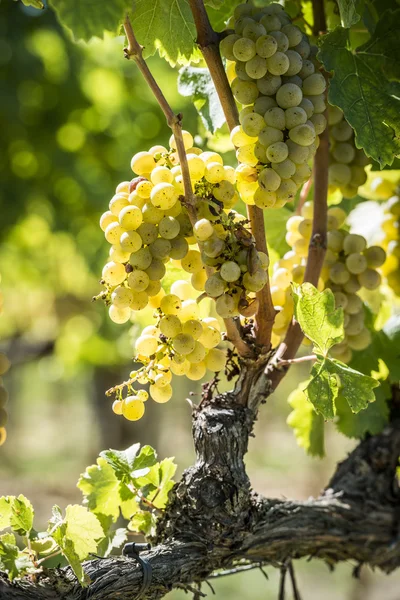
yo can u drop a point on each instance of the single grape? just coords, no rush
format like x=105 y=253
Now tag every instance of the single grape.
x=277 y=152
x=130 y=241
x=161 y=394
x=370 y=279
x=171 y=304
x=304 y=135
x=375 y=256
x=146 y=345
x=119 y=315
x=183 y=343
x=356 y=263
x=230 y=271
x=170 y=325
x=215 y=360
x=117 y=407
x=114 y=273
x=354 y=243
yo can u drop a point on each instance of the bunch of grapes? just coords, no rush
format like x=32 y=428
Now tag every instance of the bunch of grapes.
x=346 y=162
x=180 y=343
x=148 y=224
x=4 y=366
x=391 y=228
x=349 y=266
x=273 y=76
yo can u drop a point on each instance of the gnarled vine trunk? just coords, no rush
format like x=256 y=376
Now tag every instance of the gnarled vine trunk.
x=214 y=520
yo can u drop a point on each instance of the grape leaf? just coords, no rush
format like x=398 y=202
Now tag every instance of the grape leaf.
x=219 y=12
x=123 y=461
x=77 y=535
x=100 y=488
x=14 y=562
x=307 y=425
x=331 y=377
x=385 y=345
x=5 y=511
x=157 y=484
x=113 y=540
x=143 y=522
x=88 y=19
x=350 y=11
x=316 y=314
x=365 y=85
x=166 y=26
x=197 y=83
x=371 y=420
x=21 y=518
x=374 y=9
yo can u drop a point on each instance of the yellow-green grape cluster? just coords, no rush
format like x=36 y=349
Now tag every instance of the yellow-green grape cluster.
x=180 y=343
x=4 y=366
x=391 y=228
x=237 y=271
x=273 y=76
x=346 y=162
x=349 y=266
x=148 y=225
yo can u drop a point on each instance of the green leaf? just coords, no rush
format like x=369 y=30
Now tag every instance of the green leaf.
x=350 y=11
x=331 y=377
x=371 y=420
x=143 y=522
x=365 y=85
x=113 y=540
x=316 y=314
x=5 y=511
x=43 y=544
x=34 y=3
x=100 y=488
x=87 y=19
x=322 y=390
x=307 y=424
x=147 y=458
x=77 y=535
x=166 y=26
x=385 y=345
x=122 y=461
x=197 y=83
x=219 y=12
x=374 y=9
x=21 y=518
x=14 y=562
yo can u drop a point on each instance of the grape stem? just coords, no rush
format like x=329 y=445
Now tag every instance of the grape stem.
x=286 y=351
x=208 y=42
x=134 y=51
x=299 y=359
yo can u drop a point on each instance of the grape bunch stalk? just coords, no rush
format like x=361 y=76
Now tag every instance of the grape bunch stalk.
x=274 y=75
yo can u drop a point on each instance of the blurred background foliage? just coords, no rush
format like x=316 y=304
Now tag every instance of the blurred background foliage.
x=71 y=117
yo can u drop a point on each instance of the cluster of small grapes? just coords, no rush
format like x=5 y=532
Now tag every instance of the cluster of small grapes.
x=391 y=228
x=238 y=270
x=180 y=343
x=148 y=225
x=349 y=266
x=273 y=76
x=346 y=162
x=4 y=366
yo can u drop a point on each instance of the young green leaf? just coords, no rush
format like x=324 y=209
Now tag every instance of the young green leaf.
x=371 y=420
x=365 y=85
x=100 y=488
x=143 y=522
x=331 y=377
x=35 y=3
x=21 y=518
x=14 y=562
x=86 y=20
x=113 y=540
x=122 y=461
x=77 y=534
x=316 y=314
x=166 y=26
x=219 y=12
x=307 y=424
x=197 y=83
